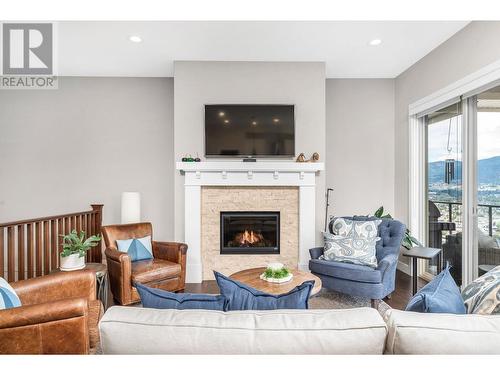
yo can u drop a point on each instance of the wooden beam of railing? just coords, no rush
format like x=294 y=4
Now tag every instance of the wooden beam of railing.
x=30 y=248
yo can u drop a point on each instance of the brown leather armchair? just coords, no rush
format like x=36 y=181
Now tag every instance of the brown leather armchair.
x=59 y=315
x=167 y=270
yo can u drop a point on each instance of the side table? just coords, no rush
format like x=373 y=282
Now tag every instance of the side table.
x=426 y=253
x=101 y=276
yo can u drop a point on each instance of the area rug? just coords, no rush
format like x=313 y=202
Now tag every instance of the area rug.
x=328 y=299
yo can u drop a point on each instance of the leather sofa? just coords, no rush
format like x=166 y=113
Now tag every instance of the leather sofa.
x=167 y=269
x=59 y=315
x=134 y=330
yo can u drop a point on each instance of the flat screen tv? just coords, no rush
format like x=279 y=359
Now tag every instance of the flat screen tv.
x=249 y=130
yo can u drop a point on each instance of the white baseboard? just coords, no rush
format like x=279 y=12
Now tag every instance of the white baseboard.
x=403 y=267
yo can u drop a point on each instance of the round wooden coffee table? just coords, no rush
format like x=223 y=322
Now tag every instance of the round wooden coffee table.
x=251 y=277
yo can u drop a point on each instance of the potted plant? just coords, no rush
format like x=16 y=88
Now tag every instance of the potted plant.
x=75 y=247
x=408 y=240
x=276 y=273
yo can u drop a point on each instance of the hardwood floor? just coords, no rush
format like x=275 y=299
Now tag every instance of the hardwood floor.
x=399 y=298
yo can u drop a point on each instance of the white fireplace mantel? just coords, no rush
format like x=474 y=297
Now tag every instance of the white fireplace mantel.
x=237 y=173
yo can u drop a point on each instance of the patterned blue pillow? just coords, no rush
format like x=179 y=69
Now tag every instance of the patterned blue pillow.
x=243 y=297
x=8 y=296
x=161 y=299
x=441 y=295
x=137 y=248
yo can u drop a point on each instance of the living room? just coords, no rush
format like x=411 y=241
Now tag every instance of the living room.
x=212 y=187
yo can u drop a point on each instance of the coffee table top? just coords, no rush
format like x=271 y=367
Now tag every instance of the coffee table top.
x=251 y=277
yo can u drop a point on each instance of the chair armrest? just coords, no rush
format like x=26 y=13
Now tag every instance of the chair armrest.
x=120 y=274
x=114 y=254
x=171 y=251
x=387 y=262
x=59 y=327
x=316 y=252
x=43 y=312
x=57 y=286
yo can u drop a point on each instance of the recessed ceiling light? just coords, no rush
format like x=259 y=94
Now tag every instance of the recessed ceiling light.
x=375 y=42
x=226 y=121
x=135 y=39
x=254 y=123
x=221 y=114
x=276 y=120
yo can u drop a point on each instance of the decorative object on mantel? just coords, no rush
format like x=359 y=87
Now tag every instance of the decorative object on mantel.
x=302 y=158
x=75 y=247
x=189 y=158
x=276 y=273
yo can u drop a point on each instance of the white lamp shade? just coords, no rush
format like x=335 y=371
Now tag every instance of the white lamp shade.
x=131 y=207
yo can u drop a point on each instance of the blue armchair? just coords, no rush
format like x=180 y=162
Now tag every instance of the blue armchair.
x=364 y=281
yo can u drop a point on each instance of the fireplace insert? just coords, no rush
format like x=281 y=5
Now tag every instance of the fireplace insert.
x=250 y=232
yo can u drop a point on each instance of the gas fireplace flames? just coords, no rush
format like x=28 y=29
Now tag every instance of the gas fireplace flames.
x=249 y=238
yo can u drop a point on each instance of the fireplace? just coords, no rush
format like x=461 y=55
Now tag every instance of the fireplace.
x=250 y=232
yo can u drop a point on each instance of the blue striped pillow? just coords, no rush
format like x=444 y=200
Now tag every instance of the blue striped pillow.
x=8 y=297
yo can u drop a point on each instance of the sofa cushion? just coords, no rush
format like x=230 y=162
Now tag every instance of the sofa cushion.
x=416 y=333
x=441 y=295
x=242 y=297
x=161 y=299
x=346 y=271
x=146 y=271
x=135 y=330
x=8 y=296
x=482 y=296
x=136 y=248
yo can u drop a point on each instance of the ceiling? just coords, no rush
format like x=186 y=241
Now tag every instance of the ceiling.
x=104 y=49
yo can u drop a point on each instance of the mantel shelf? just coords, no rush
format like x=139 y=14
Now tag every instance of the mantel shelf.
x=259 y=166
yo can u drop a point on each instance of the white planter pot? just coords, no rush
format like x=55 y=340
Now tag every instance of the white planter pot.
x=72 y=262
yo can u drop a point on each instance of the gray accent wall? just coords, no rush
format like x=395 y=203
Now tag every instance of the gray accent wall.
x=87 y=142
x=200 y=82
x=360 y=145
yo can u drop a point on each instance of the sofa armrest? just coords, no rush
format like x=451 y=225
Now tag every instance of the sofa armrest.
x=171 y=251
x=59 y=327
x=316 y=252
x=57 y=286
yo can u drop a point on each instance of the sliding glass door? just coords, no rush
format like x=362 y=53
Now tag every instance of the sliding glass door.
x=487 y=236
x=444 y=187
x=462 y=185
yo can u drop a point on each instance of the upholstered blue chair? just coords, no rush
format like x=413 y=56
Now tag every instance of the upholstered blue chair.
x=374 y=283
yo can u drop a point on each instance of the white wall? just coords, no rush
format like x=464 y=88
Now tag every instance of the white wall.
x=86 y=142
x=198 y=83
x=360 y=145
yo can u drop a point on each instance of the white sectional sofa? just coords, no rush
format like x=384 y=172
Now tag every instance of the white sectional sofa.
x=134 y=330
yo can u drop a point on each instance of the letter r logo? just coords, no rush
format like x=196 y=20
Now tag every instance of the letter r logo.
x=27 y=48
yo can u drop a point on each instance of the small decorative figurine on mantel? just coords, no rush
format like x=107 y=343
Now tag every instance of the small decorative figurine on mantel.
x=302 y=158
x=189 y=158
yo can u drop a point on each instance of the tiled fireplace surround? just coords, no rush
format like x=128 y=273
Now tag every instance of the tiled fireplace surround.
x=212 y=187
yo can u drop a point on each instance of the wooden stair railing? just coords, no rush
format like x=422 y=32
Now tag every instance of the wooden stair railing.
x=31 y=248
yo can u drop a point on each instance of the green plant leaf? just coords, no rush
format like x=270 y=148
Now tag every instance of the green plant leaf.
x=379 y=212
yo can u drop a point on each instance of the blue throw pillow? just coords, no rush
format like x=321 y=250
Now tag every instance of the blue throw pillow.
x=8 y=296
x=161 y=299
x=441 y=295
x=136 y=248
x=243 y=297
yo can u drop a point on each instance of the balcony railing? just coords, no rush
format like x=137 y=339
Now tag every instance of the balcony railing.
x=450 y=210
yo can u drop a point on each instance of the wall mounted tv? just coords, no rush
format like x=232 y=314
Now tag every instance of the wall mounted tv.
x=249 y=130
